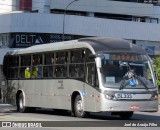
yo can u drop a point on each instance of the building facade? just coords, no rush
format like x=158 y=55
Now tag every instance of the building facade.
x=28 y=22
x=25 y=23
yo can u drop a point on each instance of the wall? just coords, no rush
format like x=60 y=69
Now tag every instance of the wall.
x=78 y=25
x=105 y=6
x=156 y=12
x=43 y=6
x=8 y=5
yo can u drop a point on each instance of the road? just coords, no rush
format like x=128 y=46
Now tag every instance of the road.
x=61 y=121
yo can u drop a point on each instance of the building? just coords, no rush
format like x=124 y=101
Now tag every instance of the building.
x=28 y=22
x=25 y=23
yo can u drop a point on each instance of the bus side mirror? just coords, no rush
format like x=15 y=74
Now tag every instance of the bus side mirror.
x=99 y=62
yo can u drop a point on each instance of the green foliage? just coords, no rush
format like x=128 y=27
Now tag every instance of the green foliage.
x=156 y=63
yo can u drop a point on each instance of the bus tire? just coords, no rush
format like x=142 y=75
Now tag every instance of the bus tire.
x=126 y=115
x=78 y=107
x=20 y=104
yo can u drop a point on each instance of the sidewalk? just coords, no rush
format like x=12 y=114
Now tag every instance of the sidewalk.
x=4 y=108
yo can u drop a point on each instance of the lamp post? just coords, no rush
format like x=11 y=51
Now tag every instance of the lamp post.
x=64 y=16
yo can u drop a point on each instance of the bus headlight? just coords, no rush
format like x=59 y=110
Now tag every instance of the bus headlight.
x=108 y=96
x=154 y=96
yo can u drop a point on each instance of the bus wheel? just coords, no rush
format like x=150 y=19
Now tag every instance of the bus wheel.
x=78 y=107
x=20 y=104
x=126 y=115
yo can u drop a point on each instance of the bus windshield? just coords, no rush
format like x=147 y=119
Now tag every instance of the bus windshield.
x=127 y=71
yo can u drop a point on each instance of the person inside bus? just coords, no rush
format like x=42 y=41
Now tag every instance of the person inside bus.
x=35 y=72
x=39 y=74
x=58 y=72
x=73 y=58
x=27 y=73
x=37 y=69
x=130 y=73
x=58 y=59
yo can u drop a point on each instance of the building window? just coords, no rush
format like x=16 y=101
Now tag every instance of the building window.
x=4 y=39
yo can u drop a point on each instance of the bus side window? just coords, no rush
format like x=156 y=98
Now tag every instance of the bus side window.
x=90 y=74
x=49 y=58
x=82 y=58
x=82 y=63
x=37 y=66
x=13 y=61
x=76 y=67
x=58 y=72
x=73 y=71
x=25 y=63
x=48 y=65
x=90 y=69
x=13 y=67
x=96 y=78
x=77 y=56
x=61 y=64
x=87 y=53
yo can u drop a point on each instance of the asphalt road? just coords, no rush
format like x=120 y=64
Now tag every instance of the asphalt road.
x=64 y=120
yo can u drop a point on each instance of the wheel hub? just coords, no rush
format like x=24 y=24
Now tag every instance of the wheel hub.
x=21 y=103
x=79 y=106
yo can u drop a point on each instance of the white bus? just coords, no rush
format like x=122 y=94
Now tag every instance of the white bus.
x=86 y=75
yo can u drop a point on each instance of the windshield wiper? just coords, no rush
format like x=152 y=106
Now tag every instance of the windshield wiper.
x=130 y=75
x=136 y=76
x=122 y=84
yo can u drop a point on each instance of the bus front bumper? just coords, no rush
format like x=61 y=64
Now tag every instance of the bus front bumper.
x=145 y=106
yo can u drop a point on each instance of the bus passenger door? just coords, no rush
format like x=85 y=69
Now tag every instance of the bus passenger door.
x=90 y=87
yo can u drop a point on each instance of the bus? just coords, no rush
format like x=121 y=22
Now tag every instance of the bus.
x=92 y=74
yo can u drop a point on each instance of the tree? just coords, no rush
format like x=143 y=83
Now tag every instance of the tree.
x=156 y=64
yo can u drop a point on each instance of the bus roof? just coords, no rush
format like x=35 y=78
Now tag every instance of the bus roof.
x=95 y=44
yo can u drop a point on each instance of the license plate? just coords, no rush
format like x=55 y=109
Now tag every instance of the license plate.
x=123 y=96
x=132 y=96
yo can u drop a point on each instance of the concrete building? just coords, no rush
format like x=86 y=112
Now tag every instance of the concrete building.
x=25 y=23
x=33 y=22
x=8 y=5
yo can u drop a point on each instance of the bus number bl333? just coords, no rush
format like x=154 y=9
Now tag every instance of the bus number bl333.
x=124 y=96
